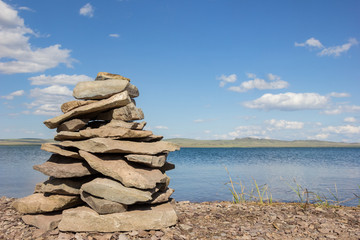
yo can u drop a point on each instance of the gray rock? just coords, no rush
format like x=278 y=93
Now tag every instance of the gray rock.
x=118 y=100
x=109 y=76
x=102 y=206
x=53 y=148
x=162 y=196
x=132 y=90
x=72 y=125
x=167 y=167
x=148 y=160
x=144 y=218
x=106 y=145
x=131 y=125
x=63 y=167
x=68 y=106
x=64 y=186
x=46 y=222
x=115 y=133
x=115 y=191
x=39 y=203
x=127 y=113
x=102 y=89
x=128 y=174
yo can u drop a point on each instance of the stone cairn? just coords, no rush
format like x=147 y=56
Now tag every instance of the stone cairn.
x=106 y=173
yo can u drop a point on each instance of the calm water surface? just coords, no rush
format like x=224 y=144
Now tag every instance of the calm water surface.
x=200 y=173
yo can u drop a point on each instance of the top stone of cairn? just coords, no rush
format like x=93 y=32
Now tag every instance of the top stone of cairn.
x=107 y=76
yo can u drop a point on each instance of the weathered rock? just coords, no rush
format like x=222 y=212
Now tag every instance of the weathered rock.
x=114 y=133
x=132 y=90
x=144 y=218
x=66 y=135
x=63 y=167
x=162 y=196
x=39 y=203
x=105 y=145
x=102 y=89
x=127 y=113
x=148 y=160
x=72 y=125
x=118 y=100
x=64 y=186
x=109 y=76
x=130 y=175
x=102 y=206
x=167 y=167
x=46 y=222
x=68 y=106
x=151 y=138
x=53 y=148
x=115 y=191
x=123 y=124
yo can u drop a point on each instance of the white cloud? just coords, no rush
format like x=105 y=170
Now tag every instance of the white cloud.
x=339 y=95
x=289 y=101
x=26 y=9
x=274 y=82
x=59 y=79
x=114 y=35
x=342 y=109
x=16 y=53
x=320 y=136
x=199 y=120
x=14 y=94
x=87 y=10
x=161 y=127
x=350 y=120
x=226 y=79
x=338 y=50
x=347 y=129
x=248 y=131
x=207 y=131
x=283 y=124
x=311 y=42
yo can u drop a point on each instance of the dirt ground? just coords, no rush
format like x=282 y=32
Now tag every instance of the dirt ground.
x=215 y=220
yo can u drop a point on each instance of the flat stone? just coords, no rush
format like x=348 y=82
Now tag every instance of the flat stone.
x=143 y=218
x=167 y=167
x=46 y=222
x=148 y=160
x=63 y=167
x=132 y=90
x=119 y=123
x=109 y=76
x=66 y=135
x=151 y=138
x=39 y=203
x=94 y=90
x=127 y=113
x=64 y=186
x=102 y=206
x=162 y=196
x=68 y=106
x=115 y=191
x=72 y=125
x=117 y=100
x=53 y=148
x=130 y=175
x=115 y=133
x=106 y=145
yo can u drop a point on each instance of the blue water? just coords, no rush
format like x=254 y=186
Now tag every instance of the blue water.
x=200 y=173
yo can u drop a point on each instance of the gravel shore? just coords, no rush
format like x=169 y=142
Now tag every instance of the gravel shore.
x=215 y=220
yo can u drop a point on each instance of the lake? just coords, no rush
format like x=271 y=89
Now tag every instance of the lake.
x=200 y=173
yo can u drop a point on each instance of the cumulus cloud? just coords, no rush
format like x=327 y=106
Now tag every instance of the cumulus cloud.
x=114 y=35
x=226 y=79
x=87 y=10
x=14 y=94
x=338 y=109
x=283 y=124
x=59 y=79
x=350 y=120
x=248 y=131
x=16 y=53
x=289 y=101
x=274 y=82
x=346 y=129
x=161 y=127
x=311 y=42
x=339 y=95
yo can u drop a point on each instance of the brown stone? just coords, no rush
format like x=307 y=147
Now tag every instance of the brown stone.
x=127 y=113
x=143 y=218
x=64 y=186
x=66 y=135
x=118 y=100
x=68 y=106
x=105 y=76
x=53 y=148
x=130 y=175
x=167 y=167
x=148 y=160
x=46 y=221
x=106 y=145
x=63 y=167
x=162 y=196
x=131 y=125
x=102 y=206
x=72 y=125
x=114 y=133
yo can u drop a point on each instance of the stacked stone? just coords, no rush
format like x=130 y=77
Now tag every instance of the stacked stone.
x=106 y=173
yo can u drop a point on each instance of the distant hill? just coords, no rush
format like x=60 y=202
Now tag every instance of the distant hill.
x=254 y=143
x=24 y=141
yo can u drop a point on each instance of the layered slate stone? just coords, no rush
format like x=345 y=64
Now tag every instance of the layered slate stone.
x=68 y=106
x=115 y=133
x=39 y=203
x=53 y=148
x=162 y=196
x=66 y=135
x=130 y=175
x=127 y=113
x=102 y=206
x=148 y=160
x=102 y=89
x=64 y=186
x=118 y=100
x=73 y=125
x=63 y=167
x=46 y=221
x=115 y=191
x=105 y=145
x=142 y=218
x=131 y=125
x=109 y=76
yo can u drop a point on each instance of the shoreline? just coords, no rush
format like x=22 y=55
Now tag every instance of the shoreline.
x=215 y=220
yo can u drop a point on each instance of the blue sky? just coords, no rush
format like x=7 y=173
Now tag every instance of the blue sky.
x=206 y=69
